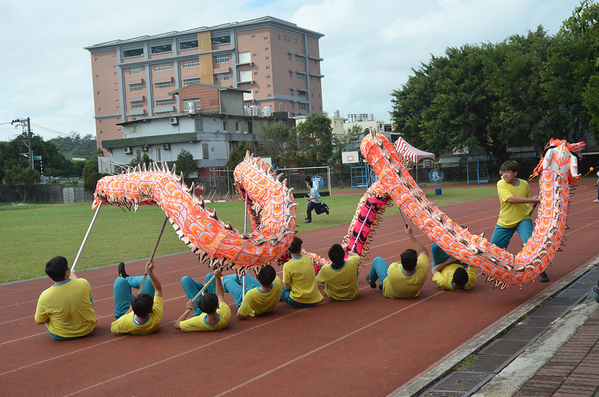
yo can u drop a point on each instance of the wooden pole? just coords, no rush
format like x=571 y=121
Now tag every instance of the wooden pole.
x=153 y=253
x=86 y=236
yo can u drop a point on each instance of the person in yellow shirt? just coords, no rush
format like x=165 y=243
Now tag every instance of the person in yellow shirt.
x=341 y=276
x=262 y=296
x=515 y=208
x=402 y=279
x=299 y=280
x=66 y=308
x=145 y=313
x=449 y=273
x=215 y=312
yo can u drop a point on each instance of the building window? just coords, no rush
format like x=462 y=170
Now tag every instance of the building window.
x=237 y=126
x=279 y=36
x=268 y=86
x=136 y=70
x=300 y=42
x=257 y=92
x=300 y=76
x=265 y=48
x=290 y=75
x=164 y=102
x=253 y=36
x=302 y=106
x=255 y=73
x=268 y=68
x=267 y=59
x=222 y=76
x=192 y=81
x=284 y=38
x=221 y=58
x=295 y=41
x=292 y=105
x=254 y=55
x=186 y=45
x=159 y=68
x=97 y=76
x=265 y=38
x=137 y=104
x=164 y=84
x=191 y=64
x=290 y=57
x=162 y=48
x=269 y=95
x=133 y=53
x=204 y=150
x=220 y=40
x=268 y=77
x=299 y=59
x=136 y=87
x=100 y=121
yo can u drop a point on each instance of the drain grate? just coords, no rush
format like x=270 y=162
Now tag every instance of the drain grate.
x=459 y=383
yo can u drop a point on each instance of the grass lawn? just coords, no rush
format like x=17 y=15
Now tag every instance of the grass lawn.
x=32 y=234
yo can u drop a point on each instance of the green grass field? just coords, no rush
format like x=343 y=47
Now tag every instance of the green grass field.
x=32 y=234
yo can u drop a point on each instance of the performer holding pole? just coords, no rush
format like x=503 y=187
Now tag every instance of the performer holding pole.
x=153 y=253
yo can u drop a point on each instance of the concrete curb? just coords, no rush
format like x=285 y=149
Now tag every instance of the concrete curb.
x=435 y=374
x=525 y=366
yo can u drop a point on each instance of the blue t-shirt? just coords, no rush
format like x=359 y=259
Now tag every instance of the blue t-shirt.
x=314 y=193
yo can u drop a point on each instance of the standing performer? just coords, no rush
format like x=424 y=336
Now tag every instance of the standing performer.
x=314 y=201
x=145 y=313
x=515 y=210
x=596 y=184
x=66 y=308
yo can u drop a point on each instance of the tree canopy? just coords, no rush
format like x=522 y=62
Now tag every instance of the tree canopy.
x=314 y=140
x=185 y=163
x=522 y=91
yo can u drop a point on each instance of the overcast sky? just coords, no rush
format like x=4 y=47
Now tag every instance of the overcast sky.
x=369 y=47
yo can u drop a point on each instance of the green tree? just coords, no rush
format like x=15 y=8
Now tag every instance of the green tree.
x=274 y=139
x=139 y=159
x=315 y=140
x=350 y=141
x=185 y=163
x=90 y=175
x=237 y=155
x=22 y=178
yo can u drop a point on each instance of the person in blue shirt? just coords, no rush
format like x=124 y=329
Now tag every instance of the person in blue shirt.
x=314 y=201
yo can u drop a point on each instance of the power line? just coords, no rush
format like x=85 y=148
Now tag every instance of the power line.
x=51 y=130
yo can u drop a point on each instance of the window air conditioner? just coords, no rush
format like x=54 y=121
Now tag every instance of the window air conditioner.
x=144 y=148
x=127 y=150
x=166 y=146
x=174 y=121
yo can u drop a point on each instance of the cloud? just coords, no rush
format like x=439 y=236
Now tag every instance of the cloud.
x=369 y=48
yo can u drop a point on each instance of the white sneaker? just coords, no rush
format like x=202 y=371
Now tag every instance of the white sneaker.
x=596 y=201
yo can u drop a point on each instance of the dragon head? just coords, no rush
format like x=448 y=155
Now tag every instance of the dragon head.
x=560 y=156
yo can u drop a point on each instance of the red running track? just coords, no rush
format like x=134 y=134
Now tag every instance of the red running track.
x=370 y=346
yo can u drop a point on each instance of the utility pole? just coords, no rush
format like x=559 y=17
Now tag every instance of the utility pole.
x=23 y=123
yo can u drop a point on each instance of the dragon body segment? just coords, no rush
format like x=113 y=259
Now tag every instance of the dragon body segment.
x=557 y=170
x=215 y=243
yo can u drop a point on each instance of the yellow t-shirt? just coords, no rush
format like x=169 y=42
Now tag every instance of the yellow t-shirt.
x=299 y=273
x=67 y=309
x=198 y=323
x=511 y=214
x=398 y=285
x=445 y=276
x=341 y=284
x=127 y=325
x=256 y=302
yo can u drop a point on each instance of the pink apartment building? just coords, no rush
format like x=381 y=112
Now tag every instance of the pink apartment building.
x=275 y=62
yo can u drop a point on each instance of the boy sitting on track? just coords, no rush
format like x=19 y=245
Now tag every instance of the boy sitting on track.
x=145 y=313
x=299 y=280
x=122 y=290
x=215 y=312
x=403 y=279
x=262 y=295
x=341 y=276
x=66 y=308
x=449 y=273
